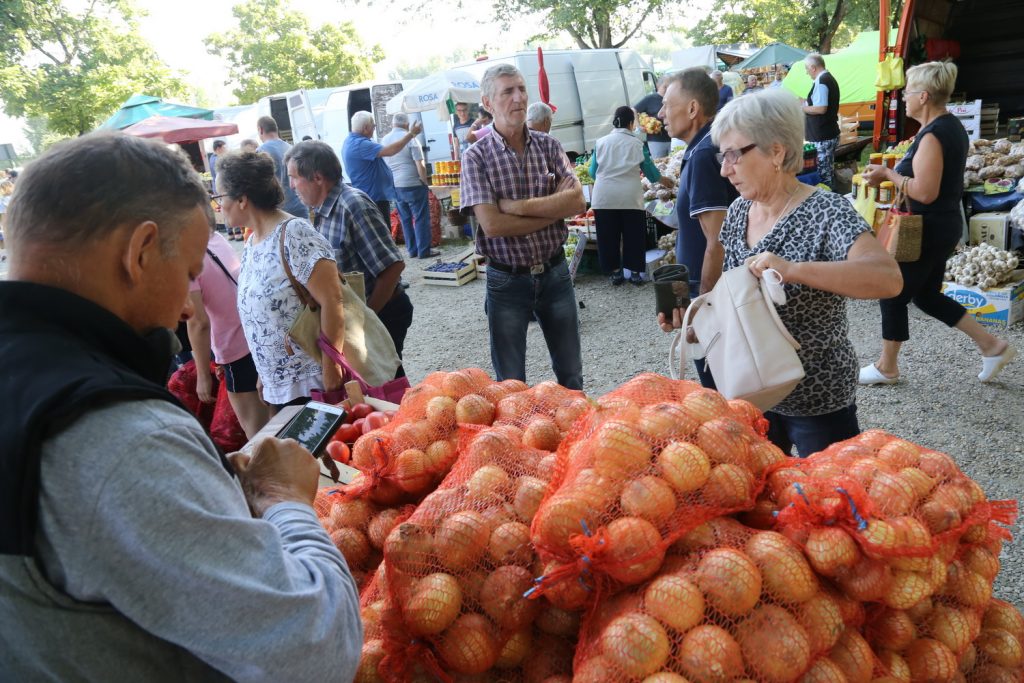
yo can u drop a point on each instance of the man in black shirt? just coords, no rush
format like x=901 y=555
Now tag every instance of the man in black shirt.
x=659 y=143
x=822 y=111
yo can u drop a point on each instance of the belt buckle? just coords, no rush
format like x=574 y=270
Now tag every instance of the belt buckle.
x=538 y=269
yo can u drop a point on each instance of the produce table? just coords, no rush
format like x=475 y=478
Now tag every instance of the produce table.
x=444 y=197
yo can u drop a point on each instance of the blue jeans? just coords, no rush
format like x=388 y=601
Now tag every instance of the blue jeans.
x=814 y=433
x=511 y=303
x=414 y=210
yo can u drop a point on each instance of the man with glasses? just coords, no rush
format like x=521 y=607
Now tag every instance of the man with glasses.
x=704 y=196
x=822 y=115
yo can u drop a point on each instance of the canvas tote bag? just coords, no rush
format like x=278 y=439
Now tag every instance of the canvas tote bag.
x=369 y=348
x=748 y=349
x=901 y=231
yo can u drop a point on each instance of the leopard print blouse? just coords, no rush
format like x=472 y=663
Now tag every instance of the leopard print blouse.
x=822 y=228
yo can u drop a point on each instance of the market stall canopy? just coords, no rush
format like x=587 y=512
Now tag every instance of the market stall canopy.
x=710 y=56
x=434 y=92
x=854 y=69
x=175 y=129
x=770 y=55
x=141 y=107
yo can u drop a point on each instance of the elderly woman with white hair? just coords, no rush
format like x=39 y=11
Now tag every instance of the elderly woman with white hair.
x=930 y=176
x=824 y=251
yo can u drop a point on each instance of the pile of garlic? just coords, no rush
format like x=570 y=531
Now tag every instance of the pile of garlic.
x=983 y=266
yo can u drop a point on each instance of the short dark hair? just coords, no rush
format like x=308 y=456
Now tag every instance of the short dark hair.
x=84 y=189
x=251 y=175
x=267 y=124
x=217 y=144
x=698 y=85
x=312 y=157
x=623 y=117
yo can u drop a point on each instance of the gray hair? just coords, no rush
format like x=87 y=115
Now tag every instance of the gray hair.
x=765 y=117
x=538 y=112
x=362 y=120
x=400 y=120
x=83 y=190
x=814 y=59
x=315 y=156
x=716 y=75
x=493 y=74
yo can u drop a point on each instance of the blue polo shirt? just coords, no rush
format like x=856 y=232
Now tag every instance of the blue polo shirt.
x=367 y=171
x=701 y=188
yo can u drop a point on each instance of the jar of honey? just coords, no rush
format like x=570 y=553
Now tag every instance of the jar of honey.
x=876 y=159
x=890 y=160
x=885 y=192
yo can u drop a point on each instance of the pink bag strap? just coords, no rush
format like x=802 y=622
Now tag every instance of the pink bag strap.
x=347 y=370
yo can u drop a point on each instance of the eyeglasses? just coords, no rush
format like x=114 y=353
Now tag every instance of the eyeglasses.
x=216 y=199
x=913 y=92
x=731 y=156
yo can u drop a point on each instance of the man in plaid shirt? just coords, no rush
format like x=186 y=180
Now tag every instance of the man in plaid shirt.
x=351 y=222
x=520 y=186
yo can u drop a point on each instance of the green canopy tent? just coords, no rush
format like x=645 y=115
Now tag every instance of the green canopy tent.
x=141 y=107
x=770 y=55
x=854 y=68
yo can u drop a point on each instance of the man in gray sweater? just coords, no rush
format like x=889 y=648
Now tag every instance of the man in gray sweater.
x=130 y=547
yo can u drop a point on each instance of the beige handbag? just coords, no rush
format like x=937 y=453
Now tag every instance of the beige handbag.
x=748 y=349
x=902 y=231
x=368 y=345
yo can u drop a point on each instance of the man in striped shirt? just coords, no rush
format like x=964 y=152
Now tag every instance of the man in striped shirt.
x=520 y=186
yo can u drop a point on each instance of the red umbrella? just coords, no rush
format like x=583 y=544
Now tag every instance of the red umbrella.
x=176 y=129
x=542 y=81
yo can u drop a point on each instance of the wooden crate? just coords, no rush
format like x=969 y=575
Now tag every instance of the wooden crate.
x=457 y=278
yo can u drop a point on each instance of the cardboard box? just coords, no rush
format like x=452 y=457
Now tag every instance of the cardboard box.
x=1000 y=306
x=991 y=227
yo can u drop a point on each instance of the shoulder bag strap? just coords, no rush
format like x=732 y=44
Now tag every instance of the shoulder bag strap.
x=304 y=296
x=219 y=263
x=769 y=299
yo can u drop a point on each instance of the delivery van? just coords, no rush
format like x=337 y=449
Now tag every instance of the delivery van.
x=373 y=97
x=585 y=85
x=293 y=113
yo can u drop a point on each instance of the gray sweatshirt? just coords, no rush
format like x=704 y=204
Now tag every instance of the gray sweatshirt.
x=152 y=568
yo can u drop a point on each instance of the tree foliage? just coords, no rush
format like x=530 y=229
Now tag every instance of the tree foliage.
x=591 y=23
x=274 y=49
x=426 y=65
x=820 y=25
x=74 y=67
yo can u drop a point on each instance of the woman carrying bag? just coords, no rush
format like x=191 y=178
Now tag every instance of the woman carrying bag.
x=618 y=198
x=249 y=194
x=931 y=177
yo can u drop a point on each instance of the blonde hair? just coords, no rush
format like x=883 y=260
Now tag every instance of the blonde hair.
x=6 y=188
x=765 y=117
x=936 y=78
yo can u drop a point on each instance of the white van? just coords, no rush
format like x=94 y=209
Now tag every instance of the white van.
x=373 y=97
x=585 y=85
x=293 y=113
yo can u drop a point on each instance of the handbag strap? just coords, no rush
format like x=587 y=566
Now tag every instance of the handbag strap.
x=304 y=296
x=338 y=357
x=219 y=263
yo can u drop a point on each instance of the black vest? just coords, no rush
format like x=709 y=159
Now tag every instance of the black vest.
x=61 y=356
x=820 y=127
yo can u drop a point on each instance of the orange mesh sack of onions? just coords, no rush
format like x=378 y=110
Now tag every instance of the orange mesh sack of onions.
x=458 y=568
x=886 y=518
x=729 y=603
x=406 y=458
x=654 y=459
x=996 y=655
x=357 y=527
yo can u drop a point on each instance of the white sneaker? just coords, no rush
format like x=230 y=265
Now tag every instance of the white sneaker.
x=993 y=365
x=871 y=375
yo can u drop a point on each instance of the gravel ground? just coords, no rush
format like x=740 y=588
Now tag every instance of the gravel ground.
x=939 y=403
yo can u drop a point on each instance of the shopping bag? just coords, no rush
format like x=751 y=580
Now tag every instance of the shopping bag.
x=391 y=390
x=901 y=232
x=750 y=352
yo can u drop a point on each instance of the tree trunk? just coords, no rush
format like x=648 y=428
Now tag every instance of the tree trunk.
x=829 y=29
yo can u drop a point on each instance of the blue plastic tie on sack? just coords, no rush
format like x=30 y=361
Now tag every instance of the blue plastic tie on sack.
x=861 y=523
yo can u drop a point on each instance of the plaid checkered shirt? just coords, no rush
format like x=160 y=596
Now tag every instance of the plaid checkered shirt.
x=352 y=223
x=491 y=171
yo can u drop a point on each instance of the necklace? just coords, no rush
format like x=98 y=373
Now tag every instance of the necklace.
x=785 y=208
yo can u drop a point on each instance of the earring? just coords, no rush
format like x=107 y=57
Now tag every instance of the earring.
x=777 y=168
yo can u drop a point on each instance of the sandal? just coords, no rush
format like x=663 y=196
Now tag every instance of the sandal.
x=871 y=375
x=993 y=365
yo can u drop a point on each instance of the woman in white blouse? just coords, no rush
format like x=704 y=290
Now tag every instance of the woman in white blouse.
x=618 y=196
